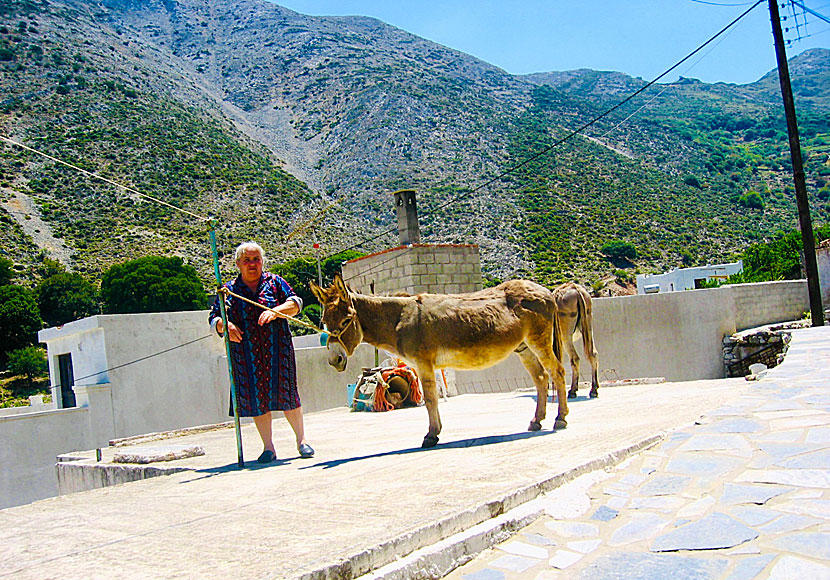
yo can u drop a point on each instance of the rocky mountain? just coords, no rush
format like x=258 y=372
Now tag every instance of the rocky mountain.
x=290 y=129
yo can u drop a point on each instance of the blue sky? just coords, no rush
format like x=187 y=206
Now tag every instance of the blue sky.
x=641 y=38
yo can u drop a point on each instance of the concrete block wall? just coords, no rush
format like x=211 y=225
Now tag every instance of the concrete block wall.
x=433 y=268
x=768 y=302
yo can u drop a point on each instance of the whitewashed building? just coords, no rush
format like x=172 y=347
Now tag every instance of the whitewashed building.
x=685 y=278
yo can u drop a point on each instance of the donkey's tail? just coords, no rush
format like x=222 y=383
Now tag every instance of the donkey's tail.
x=557 y=336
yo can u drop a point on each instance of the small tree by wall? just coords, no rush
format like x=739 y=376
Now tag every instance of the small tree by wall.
x=6 y=271
x=29 y=361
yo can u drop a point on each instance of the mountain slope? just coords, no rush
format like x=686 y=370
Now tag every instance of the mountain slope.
x=263 y=118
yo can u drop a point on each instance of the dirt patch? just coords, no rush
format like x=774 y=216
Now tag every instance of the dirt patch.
x=25 y=212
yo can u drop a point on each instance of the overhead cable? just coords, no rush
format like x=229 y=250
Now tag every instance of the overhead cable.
x=102 y=178
x=573 y=133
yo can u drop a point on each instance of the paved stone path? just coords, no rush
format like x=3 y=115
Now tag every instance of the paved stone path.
x=743 y=493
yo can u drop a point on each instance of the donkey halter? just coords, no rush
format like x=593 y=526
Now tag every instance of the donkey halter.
x=336 y=334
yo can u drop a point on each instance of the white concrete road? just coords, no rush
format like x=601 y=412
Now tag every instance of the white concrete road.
x=369 y=497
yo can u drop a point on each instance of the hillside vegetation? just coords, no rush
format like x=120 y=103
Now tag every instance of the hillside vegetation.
x=262 y=118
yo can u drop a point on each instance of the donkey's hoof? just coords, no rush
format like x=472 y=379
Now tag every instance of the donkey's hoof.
x=560 y=424
x=593 y=394
x=535 y=426
x=429 y=441
x=572 y=394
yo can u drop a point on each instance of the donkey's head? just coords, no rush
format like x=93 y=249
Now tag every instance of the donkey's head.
x=340 y=318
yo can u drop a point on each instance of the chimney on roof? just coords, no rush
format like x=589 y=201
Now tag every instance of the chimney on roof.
x=408 y=232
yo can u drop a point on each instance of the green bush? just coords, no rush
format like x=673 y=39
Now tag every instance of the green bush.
x=619 y=250
x=314 y=313
x=66 y=297
x=151 y=284
x=692 y=181
x=19 y=319
x=6 y=271
x=752 y=200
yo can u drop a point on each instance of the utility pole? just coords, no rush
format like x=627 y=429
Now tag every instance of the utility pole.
x=804 y=221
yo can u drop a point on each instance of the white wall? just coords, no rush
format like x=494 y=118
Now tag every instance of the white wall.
x=675 y=335
x=29 y=445
x=823 y=263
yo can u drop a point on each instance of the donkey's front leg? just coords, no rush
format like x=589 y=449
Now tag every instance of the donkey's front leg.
x=426 y=372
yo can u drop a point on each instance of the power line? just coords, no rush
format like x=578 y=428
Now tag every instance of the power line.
x=722 y=4
x=813 y=12
x=149 y=356
x=102 y=178
x=573 y=133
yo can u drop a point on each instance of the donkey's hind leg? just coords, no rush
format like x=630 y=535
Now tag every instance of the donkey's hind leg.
x=426 y=373
x=591 y=354
x=568 y=343
x=543 y=350
x=540 y=379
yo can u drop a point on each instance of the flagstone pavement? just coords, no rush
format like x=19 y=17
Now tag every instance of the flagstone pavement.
x=743 y=493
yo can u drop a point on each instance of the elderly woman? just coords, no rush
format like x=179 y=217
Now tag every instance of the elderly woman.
x=262 y=354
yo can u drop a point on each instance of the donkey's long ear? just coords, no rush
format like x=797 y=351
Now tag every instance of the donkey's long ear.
x=318 y=292
x=340 y=285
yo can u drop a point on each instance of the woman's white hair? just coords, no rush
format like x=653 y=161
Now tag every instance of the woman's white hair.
x=246 y=247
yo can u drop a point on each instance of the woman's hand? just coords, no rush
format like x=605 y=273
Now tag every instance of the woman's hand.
x=267 y=316
x=234 y=334
x=284 y=310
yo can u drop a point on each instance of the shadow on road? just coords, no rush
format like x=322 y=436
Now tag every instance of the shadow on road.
x=472 y=442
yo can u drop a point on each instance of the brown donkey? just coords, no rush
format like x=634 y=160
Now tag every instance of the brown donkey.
x=574 y=306
x=460 y=331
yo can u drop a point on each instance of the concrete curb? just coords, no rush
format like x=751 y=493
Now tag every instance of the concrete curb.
x=434 y=550
x=75 y=477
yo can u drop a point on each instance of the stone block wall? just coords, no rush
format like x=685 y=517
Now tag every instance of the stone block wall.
x=433 y=268
x=769 y=302
x=763 y=345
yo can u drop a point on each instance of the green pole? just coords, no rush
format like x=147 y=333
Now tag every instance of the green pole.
x=240 y=461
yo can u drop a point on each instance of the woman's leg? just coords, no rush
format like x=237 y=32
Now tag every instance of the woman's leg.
x=295 y=419
x=263 y=427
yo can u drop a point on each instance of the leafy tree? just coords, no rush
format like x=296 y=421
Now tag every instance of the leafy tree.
x=778 y=259
x=29 y=361
x=19 y=318
x=49 y=267
x=151 y=284
x=692 y=181
x=619 y=250
x=752 y=200
x=314 y=313
x=300 y=271
x=6 y=271
x=66 y=297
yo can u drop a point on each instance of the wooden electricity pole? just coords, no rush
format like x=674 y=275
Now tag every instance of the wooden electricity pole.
x=807 y=237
